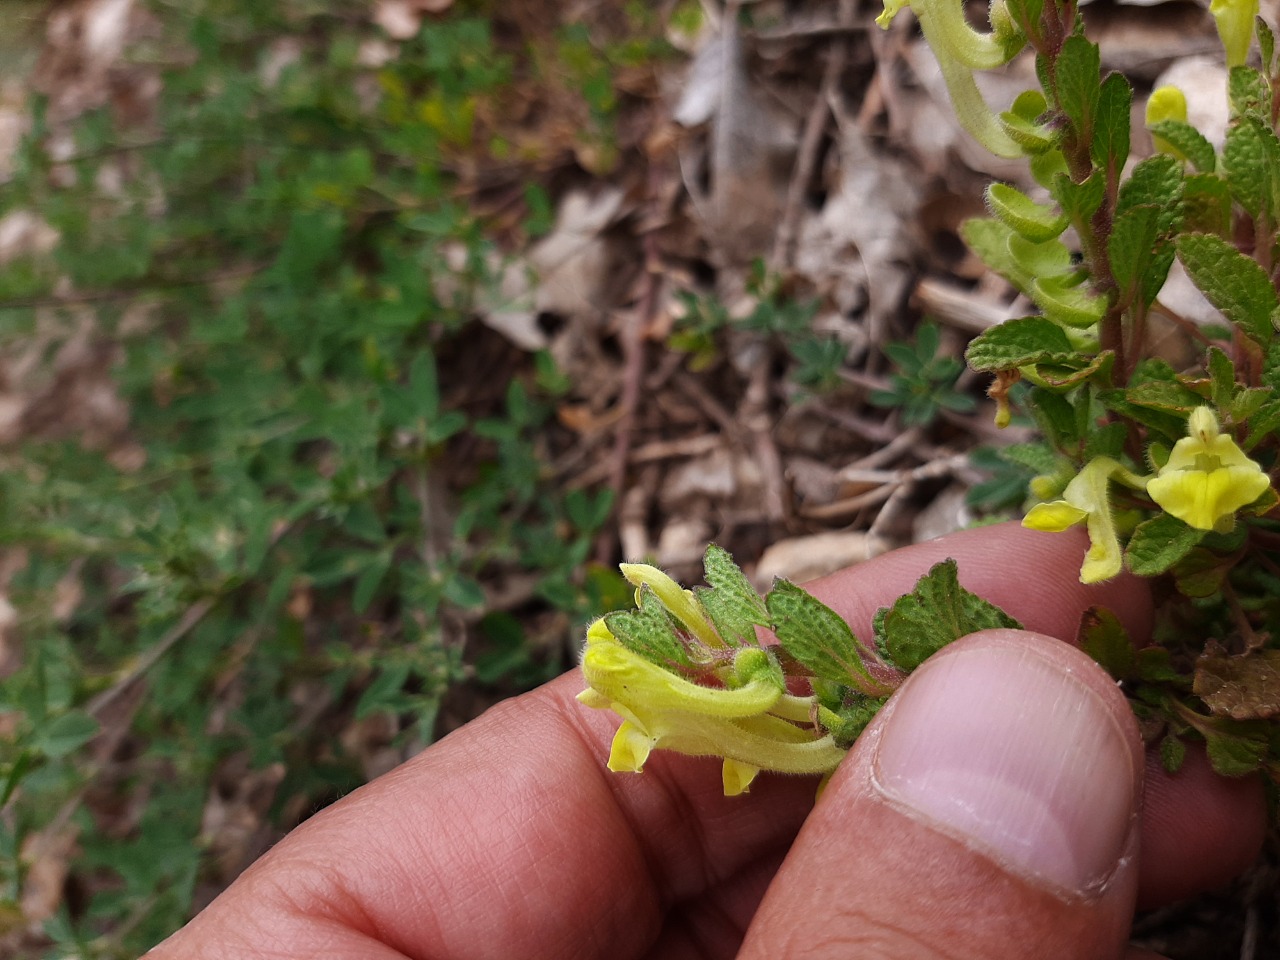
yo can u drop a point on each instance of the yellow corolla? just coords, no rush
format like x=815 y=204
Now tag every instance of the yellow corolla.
x=1234 y=19
x=752 y=726
x=1208 y=477
x=1087 y=500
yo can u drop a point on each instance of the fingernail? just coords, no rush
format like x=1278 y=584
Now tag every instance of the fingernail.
x=1005 y=747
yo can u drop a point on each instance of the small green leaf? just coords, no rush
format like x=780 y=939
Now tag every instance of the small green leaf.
x=733 y=604
x=1206 y=205
x=935 y=613
x=1232 y=753
x=1232 y=282
x=1079 y=86
x=1264 y=422
x=1248 y=159
x=1132 y=241
x=817 y=637
x=1017 y=342
x=1110 y=146
x=1165 y=395
x=1068 y=302
x=989 y=239
x=1076 y=370
x=848 y=720
x=367 y=583
x=1159 y=543
x=1188 y=141
x=1023 y=215
x=1032 y=137
x=649 y=631
x=65 y=734
x=1103 y=637
x=1249 y=93
x=1079 y=201
x=1056 y=418
x=1266 y=43
x=1156 y=181
x=1222 y=375
x=1172 y=752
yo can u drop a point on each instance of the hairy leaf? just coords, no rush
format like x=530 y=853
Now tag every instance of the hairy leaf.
x=937 y=612
x=1110 y=146
x=1249 y=157
x=1017 y=342
x=649 y=631
x=1079 y=86
x=1232 y=282
x=817 y=637
x=1159 y=543
x=733 y=604
x=1188 y=141
x=1023 y=215
x=1103 y=637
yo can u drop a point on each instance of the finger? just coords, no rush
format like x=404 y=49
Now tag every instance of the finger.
x=1199 y=829
x=1030 y=574
x=990 y=811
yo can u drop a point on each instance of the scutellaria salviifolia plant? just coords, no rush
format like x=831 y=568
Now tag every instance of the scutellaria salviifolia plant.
x=1169 y=470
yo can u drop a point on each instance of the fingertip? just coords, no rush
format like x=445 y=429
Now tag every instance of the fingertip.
x=1200 y=829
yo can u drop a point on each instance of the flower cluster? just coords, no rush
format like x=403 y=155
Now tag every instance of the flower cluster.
x=1205 y=482
x=734 y=704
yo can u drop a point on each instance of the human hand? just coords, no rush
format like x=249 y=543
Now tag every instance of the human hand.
x=992 y=810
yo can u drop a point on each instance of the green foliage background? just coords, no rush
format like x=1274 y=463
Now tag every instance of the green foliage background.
x=335 y=455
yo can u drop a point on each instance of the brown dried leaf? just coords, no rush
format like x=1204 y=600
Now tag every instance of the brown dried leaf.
x=1245 y=687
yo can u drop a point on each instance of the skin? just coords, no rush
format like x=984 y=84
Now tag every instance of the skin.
x=510 y=837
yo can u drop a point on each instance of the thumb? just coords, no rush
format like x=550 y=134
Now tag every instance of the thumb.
x=989 y=811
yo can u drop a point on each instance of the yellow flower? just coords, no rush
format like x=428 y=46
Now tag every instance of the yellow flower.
x=660 y=710
x=960 y=50
x=1087 y=500
x=1208 y=477
x=1235 y=26
x=1166 y=103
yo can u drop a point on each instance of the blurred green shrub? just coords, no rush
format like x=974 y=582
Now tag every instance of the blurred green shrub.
x=332 y=469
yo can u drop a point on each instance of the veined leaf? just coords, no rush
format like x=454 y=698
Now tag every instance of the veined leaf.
x=1232 y=282
x=818 y=637
x=1023 y=215
x=1188 y=141
x=1079 y=85
x=1110 y=145
x=1018 y=342
x=1159 y=543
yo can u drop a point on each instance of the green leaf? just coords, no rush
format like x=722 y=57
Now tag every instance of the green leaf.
x=733 y=604
x=1056 y=418
x=1235 y=750
x=1132 y=241
x=989 y=239
x=367 y=583
x=935 y=613
x=1067 y=301
x=817 y=637
x=1188 y=141
x=1264 y=422
x=1232 y=282
x=1222 y=375
x=1017 y=342
x=1249 y=93
x=1032 y=137
x=1078 y=86
x=1074 y=371
x=1206 y=205
x=64 y=734
x=1079 y=201
x=1023 y=215
x=1172 y=752
x=1266 y=43
x=1156 y=181
x=1110 y=146
x=1248 y=160
x=1103 y=637
x=1159 y=543
x=1165 y=395
x=649 y=632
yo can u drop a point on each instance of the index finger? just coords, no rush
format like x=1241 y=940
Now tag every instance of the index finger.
x=510 y=834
